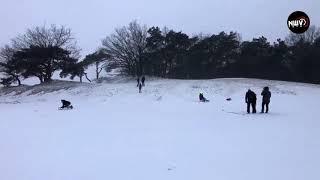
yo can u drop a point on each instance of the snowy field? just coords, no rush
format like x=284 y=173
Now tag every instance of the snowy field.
x=164 y=133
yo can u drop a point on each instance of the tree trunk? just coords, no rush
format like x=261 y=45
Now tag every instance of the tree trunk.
x=85 y=74
x=40 y=79
x=137 y=68
x=16 y=77
x=19 y=81
x=80 y=78
x=141 y=67
x=97 y=70
x=48 y=72
x=47 y=79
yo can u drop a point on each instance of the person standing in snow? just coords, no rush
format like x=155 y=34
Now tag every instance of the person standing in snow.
x=140 y=87
x=251 y=100
x=138 y=81
x=266 y=95
x=142 y=80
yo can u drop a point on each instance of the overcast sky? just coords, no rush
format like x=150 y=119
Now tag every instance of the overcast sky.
x=92 y=20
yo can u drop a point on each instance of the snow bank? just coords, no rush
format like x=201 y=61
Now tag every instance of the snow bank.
x=163 y=133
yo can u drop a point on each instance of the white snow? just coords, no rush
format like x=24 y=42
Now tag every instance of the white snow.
x=163 y=133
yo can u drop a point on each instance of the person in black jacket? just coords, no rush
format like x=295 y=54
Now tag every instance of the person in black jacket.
x=266 y=95
x=138 y=81
x=65 y=104
x=251 y=100
x=142 y=80
x=140 y=87
x=202 y=98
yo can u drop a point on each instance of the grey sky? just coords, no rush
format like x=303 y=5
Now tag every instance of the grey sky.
x=93 y=20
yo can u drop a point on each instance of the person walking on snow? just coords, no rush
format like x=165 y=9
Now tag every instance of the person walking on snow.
x=140 y=87
x=251 y=100
x=138 y=81
x=266 y=95
x=142 y=80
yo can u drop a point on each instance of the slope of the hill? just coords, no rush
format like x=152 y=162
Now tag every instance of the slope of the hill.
x=163 y=133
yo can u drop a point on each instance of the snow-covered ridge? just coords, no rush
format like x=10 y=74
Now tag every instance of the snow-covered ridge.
x=114 y=132
x=219 y=85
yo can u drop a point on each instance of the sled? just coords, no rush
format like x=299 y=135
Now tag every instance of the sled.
x=205 y=101
x=66 y=108
x=237 y=113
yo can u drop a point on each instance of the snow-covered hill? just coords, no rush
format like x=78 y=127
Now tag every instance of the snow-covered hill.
x=163 y=133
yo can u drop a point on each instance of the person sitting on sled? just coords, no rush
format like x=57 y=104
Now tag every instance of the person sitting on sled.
x=202 y=98
x=65 y=104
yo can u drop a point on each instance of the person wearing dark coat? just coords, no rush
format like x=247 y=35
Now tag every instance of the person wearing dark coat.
x=142 y=80
x=251 y=100
x=65 y=103
x=266 y=95
x=138 y=82
x=140 y=87
x=202 y=98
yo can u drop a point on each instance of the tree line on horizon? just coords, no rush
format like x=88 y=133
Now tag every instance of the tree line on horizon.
x=138 y=50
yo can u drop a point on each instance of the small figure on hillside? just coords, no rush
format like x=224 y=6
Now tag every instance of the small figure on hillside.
x=266 y=95
x=140 y=87
x=138 y=81
x=251 y=100
x=142 y=80
x=66 y=104
x=202 y=98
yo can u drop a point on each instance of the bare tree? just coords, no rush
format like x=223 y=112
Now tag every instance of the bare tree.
x=47 y=48
x=97 y=58
x=8 y=66
x=86 y=75
x=42 y=36
x=126 y=47
x=6 y=53
x=308 y=37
